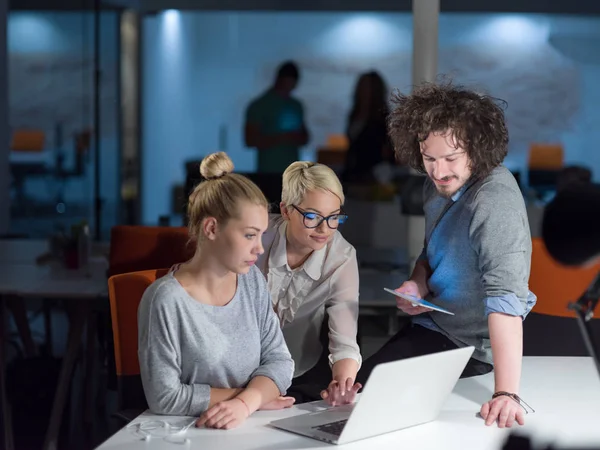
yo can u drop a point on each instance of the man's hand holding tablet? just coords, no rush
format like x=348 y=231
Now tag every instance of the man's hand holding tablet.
x=410 y=302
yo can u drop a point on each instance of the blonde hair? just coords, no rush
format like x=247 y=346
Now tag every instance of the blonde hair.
x=220 y=194
x=303 y=176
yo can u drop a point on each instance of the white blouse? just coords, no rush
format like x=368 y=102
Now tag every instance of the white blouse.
x=328 y=280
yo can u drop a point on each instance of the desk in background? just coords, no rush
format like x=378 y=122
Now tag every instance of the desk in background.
x=21 y=277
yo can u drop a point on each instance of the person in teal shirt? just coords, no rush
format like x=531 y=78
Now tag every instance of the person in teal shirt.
x=275 y=123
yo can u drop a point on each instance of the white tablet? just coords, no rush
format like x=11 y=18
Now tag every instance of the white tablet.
x=418 y=301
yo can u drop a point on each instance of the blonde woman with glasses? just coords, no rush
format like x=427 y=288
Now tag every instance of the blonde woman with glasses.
x=312 y=275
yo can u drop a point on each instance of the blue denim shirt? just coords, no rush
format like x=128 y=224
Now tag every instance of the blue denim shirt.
x=480 y=256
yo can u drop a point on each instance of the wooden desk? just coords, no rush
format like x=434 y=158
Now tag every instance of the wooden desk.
x=565 y=392
x=21 y=277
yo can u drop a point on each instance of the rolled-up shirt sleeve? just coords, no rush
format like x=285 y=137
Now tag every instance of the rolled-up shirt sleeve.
x=499 y=234
x=510 y=304
x=342 y=309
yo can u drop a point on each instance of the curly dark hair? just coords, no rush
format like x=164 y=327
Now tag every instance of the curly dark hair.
x=476 y=122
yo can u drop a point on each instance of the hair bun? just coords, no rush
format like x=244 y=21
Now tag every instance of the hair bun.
x=216 y=165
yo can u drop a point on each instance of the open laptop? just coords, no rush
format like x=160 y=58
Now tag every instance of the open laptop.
x=397 y=395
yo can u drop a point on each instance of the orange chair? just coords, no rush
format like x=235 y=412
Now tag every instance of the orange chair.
x=125 y=293
x=337 y=142
x=554 y=284
x=546 y=157
x=544 y=165
x=551 y=328
x=134 y=248
x=24 y=140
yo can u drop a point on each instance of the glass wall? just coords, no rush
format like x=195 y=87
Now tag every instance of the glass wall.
x=52 y=120
x=202 y=68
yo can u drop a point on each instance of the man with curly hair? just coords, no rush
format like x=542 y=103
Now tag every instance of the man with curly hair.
x=477 y=251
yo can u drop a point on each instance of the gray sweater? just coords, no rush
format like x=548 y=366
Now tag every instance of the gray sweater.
x=186 y=347
x=480 y=256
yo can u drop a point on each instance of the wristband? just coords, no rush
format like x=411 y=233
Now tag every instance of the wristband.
x=245 y=404
x=514 y=397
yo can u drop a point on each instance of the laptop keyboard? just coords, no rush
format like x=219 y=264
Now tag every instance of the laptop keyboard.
x=334 y=428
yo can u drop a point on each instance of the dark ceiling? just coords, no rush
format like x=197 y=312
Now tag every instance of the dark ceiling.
x=581 y=7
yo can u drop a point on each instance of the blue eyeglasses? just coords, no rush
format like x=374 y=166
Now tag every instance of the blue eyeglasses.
x=313 y=219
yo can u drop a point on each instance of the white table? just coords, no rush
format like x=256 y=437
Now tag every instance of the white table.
x=565 y=392
x=50 y=281
x=25 y=251
x=21 y=277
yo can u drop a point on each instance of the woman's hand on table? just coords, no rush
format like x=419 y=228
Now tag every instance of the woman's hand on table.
x=341 y=393
x=279 y=403
x=224 y=415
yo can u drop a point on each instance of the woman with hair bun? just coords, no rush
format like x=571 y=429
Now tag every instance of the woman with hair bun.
x=210 y=344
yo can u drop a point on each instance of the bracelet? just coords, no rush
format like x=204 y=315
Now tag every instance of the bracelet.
x=516 y=398
x=245 y=404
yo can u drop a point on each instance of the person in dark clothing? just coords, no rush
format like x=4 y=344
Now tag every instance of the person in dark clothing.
x=367 y=129
x=274 y=123
x=573 y=175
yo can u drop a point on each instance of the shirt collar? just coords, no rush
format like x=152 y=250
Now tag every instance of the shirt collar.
x=462 y=190
x=313 y=266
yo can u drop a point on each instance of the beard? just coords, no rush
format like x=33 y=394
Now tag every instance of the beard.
x=451 y=189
